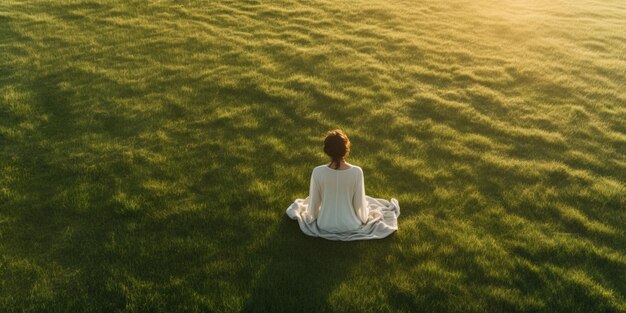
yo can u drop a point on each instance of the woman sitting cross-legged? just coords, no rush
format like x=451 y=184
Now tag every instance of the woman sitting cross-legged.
x=337 y=207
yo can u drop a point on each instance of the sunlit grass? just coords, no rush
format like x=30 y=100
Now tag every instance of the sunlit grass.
x=148 y=150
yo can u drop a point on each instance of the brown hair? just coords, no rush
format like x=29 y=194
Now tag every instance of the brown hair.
x=336 y=146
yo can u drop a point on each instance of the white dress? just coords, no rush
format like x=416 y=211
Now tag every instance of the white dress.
x=338 y=209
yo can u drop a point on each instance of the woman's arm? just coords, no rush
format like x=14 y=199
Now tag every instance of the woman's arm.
x=315 y=199
x=359 y=202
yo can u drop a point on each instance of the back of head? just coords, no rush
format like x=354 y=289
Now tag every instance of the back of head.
x=336 y=146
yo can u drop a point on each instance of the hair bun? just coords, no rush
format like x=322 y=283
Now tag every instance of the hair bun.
x=336 y=145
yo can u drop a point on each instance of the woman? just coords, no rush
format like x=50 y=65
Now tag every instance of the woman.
x=337 y=207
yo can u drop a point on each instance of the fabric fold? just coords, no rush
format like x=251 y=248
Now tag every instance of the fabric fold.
x=382 y=220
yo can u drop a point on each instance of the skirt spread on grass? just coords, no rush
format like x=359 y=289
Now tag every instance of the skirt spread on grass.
x=382 y=220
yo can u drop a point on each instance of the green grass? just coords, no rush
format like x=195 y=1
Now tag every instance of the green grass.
x=148 y=150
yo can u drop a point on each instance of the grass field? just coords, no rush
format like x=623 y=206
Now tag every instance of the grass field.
x=149 y=149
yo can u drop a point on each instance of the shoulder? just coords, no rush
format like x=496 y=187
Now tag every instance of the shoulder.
x=357 y=167
x=318 y=169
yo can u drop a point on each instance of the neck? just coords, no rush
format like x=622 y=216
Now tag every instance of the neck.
x=341 y=162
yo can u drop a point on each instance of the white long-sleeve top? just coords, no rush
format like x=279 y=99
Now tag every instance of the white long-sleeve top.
x=337 y=199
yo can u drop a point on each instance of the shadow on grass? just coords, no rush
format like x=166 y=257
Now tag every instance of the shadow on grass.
x=301 y=272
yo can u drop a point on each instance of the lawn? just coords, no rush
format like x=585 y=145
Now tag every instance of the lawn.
x=149 y=149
